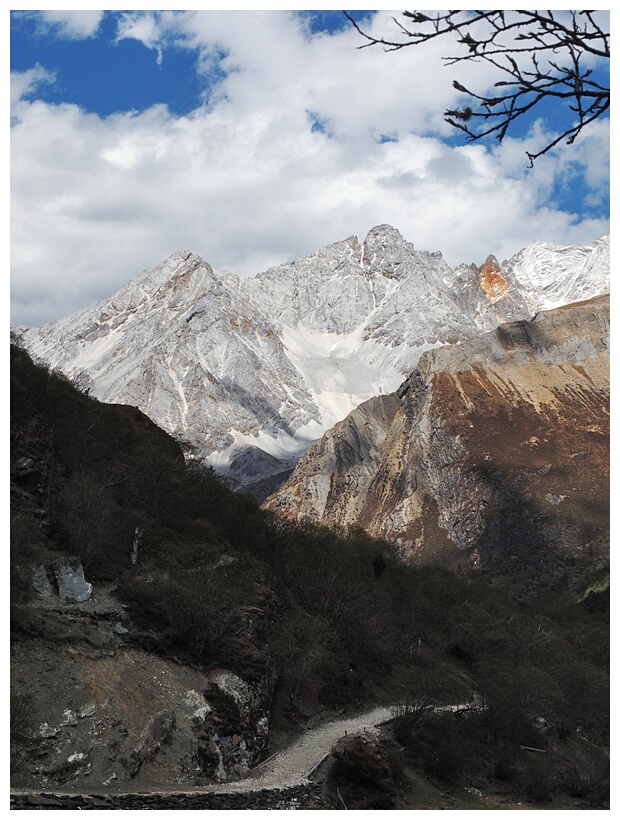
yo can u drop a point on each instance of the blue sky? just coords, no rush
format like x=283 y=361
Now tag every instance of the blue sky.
x=104 y=76
x=253 y=138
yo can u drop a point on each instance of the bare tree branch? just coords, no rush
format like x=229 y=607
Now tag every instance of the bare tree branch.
x=543 y=55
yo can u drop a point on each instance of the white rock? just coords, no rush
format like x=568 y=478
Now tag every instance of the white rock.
x=252 y=371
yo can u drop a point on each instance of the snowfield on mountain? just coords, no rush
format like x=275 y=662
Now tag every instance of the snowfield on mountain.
x=252 y=371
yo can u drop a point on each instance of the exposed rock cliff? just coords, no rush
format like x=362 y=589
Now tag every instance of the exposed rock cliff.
x=109 y=713
x=252 y=371
x=491 y=449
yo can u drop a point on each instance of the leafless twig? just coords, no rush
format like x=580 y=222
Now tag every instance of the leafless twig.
x=541 y=55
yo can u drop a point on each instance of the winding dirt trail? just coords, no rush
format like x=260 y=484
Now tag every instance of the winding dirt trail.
x=292 y=765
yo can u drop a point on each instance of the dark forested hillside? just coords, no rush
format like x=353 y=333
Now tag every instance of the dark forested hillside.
x=215 y=631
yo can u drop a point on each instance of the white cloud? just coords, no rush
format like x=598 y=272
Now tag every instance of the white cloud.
x=270 y=62
x=71 y=25
x=246 y=183
x=144 y=27
x=24 y=83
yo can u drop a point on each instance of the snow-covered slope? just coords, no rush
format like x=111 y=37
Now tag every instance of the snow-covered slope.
x=551 y=276
x=251 y=371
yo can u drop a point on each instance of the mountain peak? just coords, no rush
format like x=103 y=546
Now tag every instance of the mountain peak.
x=385 y=232
x=265 y=365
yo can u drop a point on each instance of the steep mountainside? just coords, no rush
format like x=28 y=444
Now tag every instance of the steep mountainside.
x=106 y=689
x=251 y=371
x=492 y=450
x=167 y=633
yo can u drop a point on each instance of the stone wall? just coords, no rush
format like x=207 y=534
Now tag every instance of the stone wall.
x=302 y=796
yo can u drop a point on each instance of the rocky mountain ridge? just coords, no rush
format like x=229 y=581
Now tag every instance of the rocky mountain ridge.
x=489 y=448
x=251 y=371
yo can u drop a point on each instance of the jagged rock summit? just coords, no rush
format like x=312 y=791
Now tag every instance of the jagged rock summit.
x=251 y=371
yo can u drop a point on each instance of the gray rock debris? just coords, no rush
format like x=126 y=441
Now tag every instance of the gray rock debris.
x=88 y=710
x=41 y=582
x=72 y=585
x=69 y=718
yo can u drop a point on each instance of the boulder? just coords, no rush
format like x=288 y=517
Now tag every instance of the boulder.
x=72 y=586
x=41 y=582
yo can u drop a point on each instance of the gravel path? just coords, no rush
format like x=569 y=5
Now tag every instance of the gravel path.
x=292 y=766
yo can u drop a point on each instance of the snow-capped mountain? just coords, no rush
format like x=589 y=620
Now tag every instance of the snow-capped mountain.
x=251 y=371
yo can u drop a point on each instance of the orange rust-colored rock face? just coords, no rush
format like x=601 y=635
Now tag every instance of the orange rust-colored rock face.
x=245 y=325
x=492 y=281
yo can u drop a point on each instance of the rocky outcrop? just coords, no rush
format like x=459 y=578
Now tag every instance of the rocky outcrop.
x=72 y=586
x=251 y=371
x=110 y=713
x=491 y=449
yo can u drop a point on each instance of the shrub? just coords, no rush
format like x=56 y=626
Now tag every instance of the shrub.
x=444 y=748
x=362 y=778
x=540 y=779
x=26 y=539
x=585 y=772
x=504 y=768
x=359 y=763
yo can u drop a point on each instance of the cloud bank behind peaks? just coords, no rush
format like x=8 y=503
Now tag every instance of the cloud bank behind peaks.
x=297 y=140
